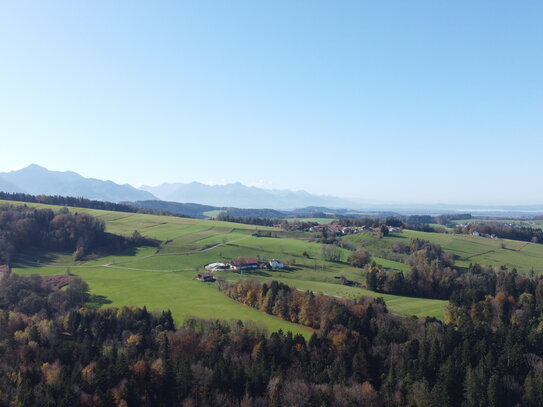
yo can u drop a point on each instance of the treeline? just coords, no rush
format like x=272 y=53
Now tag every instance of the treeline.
x=433 y=275
x=369 y=221
x=414 y=222
x=299 y=307
x=22 y=227
x=522 y=233
x=248 y=220
x=31 y=295
x=487 y=354
x=81 y=203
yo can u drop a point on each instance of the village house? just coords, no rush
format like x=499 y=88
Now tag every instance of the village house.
x=244 y=264
x=276 y=264
x=394 y=229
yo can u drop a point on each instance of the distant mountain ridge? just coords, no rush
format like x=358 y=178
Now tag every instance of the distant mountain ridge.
x=36 y=180
x=242 y=196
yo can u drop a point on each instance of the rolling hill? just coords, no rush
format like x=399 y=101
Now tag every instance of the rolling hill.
x=163 y=277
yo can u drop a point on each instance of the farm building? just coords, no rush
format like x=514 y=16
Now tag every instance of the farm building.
x=217 y=266
x=244 y=264
x=205 y=277
x=276 y=264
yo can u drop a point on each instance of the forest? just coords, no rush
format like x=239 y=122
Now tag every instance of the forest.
x=22 y=227
x=53 y=352
x=433 y=275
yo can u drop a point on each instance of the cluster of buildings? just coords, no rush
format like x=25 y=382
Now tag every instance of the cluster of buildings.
x=346 y=230
x=331 y=228
x=239 y=264
x=492 y=236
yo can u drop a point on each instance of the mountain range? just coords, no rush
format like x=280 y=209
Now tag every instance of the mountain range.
x=36 y=180
x=242 y=196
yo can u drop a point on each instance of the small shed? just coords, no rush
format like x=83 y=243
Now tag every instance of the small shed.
x=205 y=277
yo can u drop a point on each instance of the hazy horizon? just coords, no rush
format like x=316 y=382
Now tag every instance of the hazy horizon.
x=397 y=102
x=370 y=202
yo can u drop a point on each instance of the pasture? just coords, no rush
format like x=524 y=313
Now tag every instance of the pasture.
x=468 y=249
x=163 y=278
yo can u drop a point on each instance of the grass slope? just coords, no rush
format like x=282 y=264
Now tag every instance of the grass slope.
x=163 y=278
x=469 y=249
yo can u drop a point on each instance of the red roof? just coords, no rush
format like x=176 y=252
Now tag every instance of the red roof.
x=242 y=262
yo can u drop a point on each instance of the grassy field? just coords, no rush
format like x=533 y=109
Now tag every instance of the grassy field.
x=163 y=277
x=468 y=249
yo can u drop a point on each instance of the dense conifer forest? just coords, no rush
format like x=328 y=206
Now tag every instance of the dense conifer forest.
x=54 y=352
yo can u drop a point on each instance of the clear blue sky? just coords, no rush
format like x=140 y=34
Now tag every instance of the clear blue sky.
x=394 y=101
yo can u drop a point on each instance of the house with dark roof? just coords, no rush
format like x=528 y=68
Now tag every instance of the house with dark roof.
x=244 y=264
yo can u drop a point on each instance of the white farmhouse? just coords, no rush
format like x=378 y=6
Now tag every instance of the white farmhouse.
x=276 y=264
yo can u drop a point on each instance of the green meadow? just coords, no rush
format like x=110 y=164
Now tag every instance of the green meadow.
x=164 y=277
x=477 y=249
x=468 y=249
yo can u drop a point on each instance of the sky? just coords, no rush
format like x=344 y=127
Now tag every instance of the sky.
x=391 y=102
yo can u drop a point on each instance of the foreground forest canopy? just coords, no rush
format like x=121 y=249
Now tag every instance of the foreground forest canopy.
x=55 y=353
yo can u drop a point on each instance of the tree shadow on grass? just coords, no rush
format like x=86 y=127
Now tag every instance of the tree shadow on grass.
x=260 y=273
x=129 y=251
x=35 y=257
x=97 y=301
